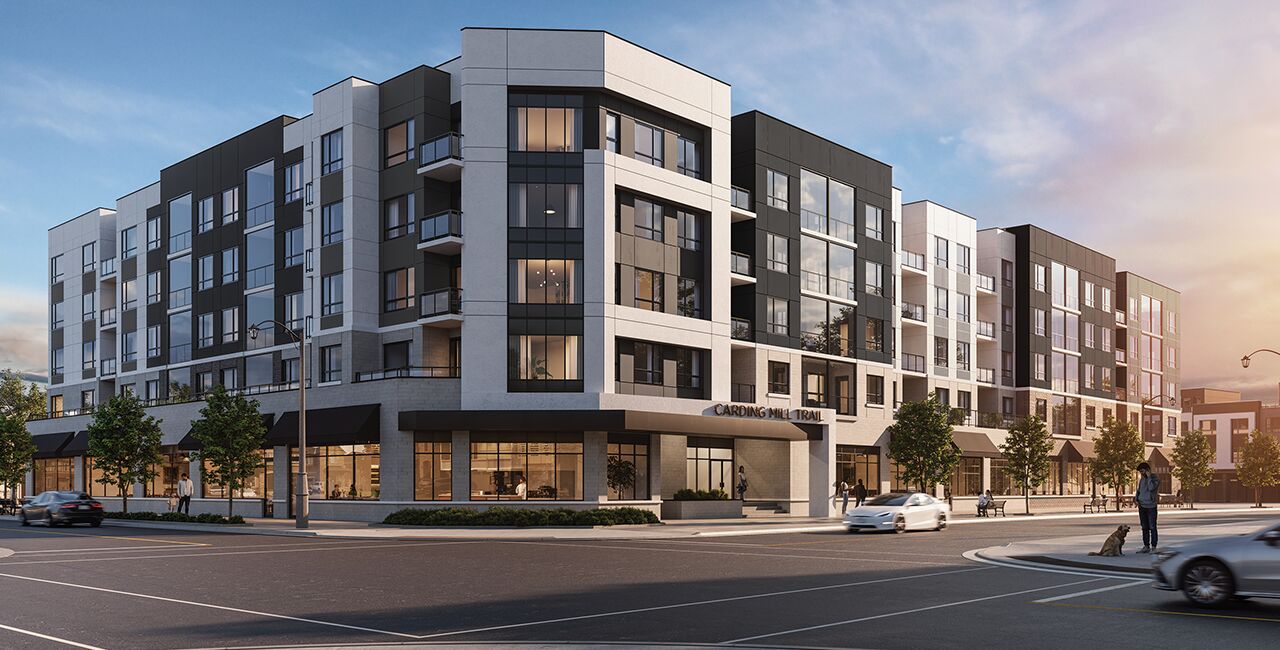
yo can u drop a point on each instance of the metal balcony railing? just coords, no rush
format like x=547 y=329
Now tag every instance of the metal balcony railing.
x=913 y=260
x=444 y=301
x=912 y=311
x=986 y=328
x=740 y=198
x=420 y=372
x=740 y=263
x=443 y=224
x=912 y=362
x=444 y=147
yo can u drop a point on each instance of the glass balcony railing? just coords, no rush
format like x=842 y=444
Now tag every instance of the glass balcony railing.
x=108 y=317
x=444 y=301
x=444 y=147
x=742 y=393
x=1120 y=319
x=443 y=224
x=410 y=372
x=912 y=311
x=986 y=375
x=913 y=260
x=912 y=362
x=740 y=329
x=987 y=282
x=986 y=328
x=108 y=267
x=108 y=367
x=741 y=263
x=1120 y=358
x=740 y=198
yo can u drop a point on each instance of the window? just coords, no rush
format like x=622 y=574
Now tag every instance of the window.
x=1040 y=369
x=649 y=141
x=875 y=222
x=1042 y=409
x=779 y=378
x=260 y=307
x=776 y=189
x=153 y=341
x=293 y=182
x=1171 y=358
x=231 y=265
x=128 y=242
x=963 y=255
x=433 y=467
x=128 y=294
x=634 y=452
x=1090 y=417
x=962 y=356
x=1105 y=384
x=1038 y=278
x=179 y=223
x=534 y=468
x=688 y=162
x=689 y=298
x=779 y=253
x=813 y=264
x=875 y=278
x=294 y=253
x=1066 y=372
x=346 y=472
x=230 y=205
x=963 y=302
x=1040 y=320
x=1006 y=366
x=552 y=282
x=875 y=335
x=52 y=474
x=260 y=262
x=1106 y=299
x=88 y=358
x=813 y=201
x=941 y=352
x=180 y=337
x=966 y=478
x=1089 y=373
x=875 y=389
x=940 y=299
x=398 y=216
x=204 y=276
x=57 y=362
x=331 y=223
x=88 y=399
x=331 y=363
x=778 y=316
x=1173 y=323
x=257 y=370
x=544 y=205
x=129 y=348
x=1089 y=335
x=648 y=290
x=204 y=214
x=398 y=290
x=1089 y=289
x=88 y=306
x=331 y=294
x=180 y=281
x=260 y=190
x=88 y=257
x=153 y=287
x=293 y=311
x=153 y=234
x=548 y=129
x=544 y=358
x=205 y=330
x=688 y=231
x=1105 y=338
x=646 y=363
x=331 y=152
x=56 y=318
x=230 y=378
x=941 y=251
x=395 y=356
x=231 y=325
x=648 y=220
x=398 y=143
x=611 y=132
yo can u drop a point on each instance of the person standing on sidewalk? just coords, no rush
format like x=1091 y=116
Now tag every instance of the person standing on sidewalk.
x=1147 y=499
x=185 y=489
x=742 y=483
x=859 y=494
x=844 y=496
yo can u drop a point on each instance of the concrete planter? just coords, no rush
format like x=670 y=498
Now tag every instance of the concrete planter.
x=717 y=509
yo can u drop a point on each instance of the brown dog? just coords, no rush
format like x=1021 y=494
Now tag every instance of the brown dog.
x=1114 y=545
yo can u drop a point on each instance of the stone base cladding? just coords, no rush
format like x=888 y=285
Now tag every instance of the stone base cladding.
x=717 y=509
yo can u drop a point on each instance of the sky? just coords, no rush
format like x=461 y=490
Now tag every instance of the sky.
x=1148 y=131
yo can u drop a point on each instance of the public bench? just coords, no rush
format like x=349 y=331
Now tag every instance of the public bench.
x=1096 y=505
x=993 y=508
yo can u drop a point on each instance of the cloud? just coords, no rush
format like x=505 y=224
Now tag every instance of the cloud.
x=24 y=330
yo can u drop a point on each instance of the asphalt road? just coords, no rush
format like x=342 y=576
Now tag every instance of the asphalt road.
x=116 y=587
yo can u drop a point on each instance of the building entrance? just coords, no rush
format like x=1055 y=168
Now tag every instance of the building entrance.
x=709 y=464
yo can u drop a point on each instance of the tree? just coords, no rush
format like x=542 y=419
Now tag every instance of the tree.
x=1193 y=461
x=179 y=392
x=231 y=432
x=1259 y=464
x=920 y=442
x=19 y=398
x=621 y=474
x=1026 y=454
x=1119 y=449
x=16 y=449
x=125 y=444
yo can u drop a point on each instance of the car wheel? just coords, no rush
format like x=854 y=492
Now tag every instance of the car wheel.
x=1207 y=583
x=48 y=519
x=95 y=523
x=942 y=523
x=900 y=524
x=23 y=518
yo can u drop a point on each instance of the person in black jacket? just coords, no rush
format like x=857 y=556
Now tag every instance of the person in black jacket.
x=859 y=493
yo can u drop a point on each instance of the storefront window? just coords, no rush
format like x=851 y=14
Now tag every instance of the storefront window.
x=259 y=486
x=896 y=484
x=853 y=463
x=534 y=467
x=52 y=474
x=1001 y=484
x=342 y=471
x=966 y=479
x=1078 y=479
x=1053 y=484
x=622 y=450
x=165 y=482
x=433 y=467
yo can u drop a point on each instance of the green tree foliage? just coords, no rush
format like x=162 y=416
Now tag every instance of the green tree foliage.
x=16 y=449
x=231 y=432
x=1193 y=461
x=125 y=444
x=1259 y=464
x=19 y=398
x=1119 y=449
x=621 y=474
x=1026 y=454
x=920 y=442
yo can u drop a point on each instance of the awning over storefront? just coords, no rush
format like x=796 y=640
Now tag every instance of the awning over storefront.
x=342 y=425
x=190 y=443
x=50 y=445
x=1079 y=451
x=78 y=446
x=615 y=421
x=1157 y=458
x=1057 y=448
x=973 y=443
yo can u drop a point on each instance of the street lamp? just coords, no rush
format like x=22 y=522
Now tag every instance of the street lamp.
x=302 y=510
x=1244 y=361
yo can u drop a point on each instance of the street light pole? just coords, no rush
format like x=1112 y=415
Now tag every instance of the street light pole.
x=302 y=509
x=1244 y=361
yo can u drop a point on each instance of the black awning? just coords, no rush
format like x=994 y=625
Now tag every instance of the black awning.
x=79 y=445
x=190 y=443
x=343 y=425
x=50 y=445
x=614 y=421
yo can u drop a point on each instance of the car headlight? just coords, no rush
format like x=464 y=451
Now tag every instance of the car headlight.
x=884 y=514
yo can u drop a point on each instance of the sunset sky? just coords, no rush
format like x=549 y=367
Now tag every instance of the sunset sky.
x=1149 y=131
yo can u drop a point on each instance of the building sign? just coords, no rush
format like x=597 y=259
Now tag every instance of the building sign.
x=767 y=412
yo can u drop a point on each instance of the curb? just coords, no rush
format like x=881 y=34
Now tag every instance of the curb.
x=1088 y=569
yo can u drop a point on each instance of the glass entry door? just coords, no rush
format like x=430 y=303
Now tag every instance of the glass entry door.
x=709 y=463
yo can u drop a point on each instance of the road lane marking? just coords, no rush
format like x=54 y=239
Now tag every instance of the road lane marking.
x=131 y=539
x=1128 y=610
x=102 y=549
x=904 y=612
x=697 y=603
x=46 y=637
x=825 y=558
x=193 y=603
x=216 y=553
x=1053 y=599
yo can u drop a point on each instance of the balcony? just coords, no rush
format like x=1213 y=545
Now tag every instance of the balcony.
x=912 y=312
x=108 y=317
x=108 y=368
x=742 y=393
x=987 y=376
x=740 y=329
x=441 y=308
x=914 y=261
x=1120 y=357
x=986 y=283
x=912 y=362
x=986 y=329
x=441 y=233
x=441 y=158
x=414 y=372
x=108 y=268
x=740 y=204
x=740 y=271
x=1120 y=320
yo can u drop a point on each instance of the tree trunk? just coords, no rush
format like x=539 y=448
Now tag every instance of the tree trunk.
x=1117 y=498
x=1026 y=495
x=124 y=500
x=1257 y=497
x=230 y=502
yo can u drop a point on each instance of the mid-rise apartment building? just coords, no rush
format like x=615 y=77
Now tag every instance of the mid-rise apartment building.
x=1227 y=421
x=557 y=248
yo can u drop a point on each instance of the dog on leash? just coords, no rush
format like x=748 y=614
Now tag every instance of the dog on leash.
x=1114 y=546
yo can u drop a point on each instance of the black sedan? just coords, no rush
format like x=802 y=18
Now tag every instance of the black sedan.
x=65 y=508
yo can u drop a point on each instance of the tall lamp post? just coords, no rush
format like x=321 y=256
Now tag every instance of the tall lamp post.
x=302 y=511
x=1244 y=361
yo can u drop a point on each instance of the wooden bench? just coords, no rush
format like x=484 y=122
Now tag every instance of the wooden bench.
x=1096 y=505
x=992 y=508
x=1174 y=500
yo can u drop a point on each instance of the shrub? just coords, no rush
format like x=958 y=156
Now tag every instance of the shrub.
x=700 y=495
x=177 y=517
x=520 y=517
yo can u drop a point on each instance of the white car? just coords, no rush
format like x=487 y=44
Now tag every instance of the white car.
x=899 y=512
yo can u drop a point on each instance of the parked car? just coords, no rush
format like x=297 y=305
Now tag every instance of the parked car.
x=899 y=512
x=66 y=508
x=1209 y=572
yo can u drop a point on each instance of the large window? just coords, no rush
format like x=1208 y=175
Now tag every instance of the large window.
x=230 y=205
x=398 y=216
x=859 y=463
x=180 y=337
x=824 y=326
x=293 y=182
x=648 y=290
x=331 y=363
x=260 y=485
x=331 y=294
x=535 y=128
x=432 y=467
x=544 y=205
x=343 y=472
x=259 y=308
x=779 y=253
x=51 y=474
x=688 y=230
x=331 y=223
x=778 y=315
x=180 y=282
x=231 y=325
x=1066 y=415
x=545 y=467
x=398 y=143
x=180 y=223
x=648 y=220
x=294 y=252
x=128 y=242
x=553 y=282
x=776 y=191
x=813 y=201
x=632 y=450
x=398 y=292
x=260 y=193
x=966 y=478
x=688 y=158
x=259 y=258
x=649 y=144
x=331 y=152
x=545 y=358
x=230 y=264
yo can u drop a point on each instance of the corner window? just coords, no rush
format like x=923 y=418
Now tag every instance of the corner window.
x=180 y=281
x=56 y=318
x=260 y=191
x=293 y=182
x=813 y=201
x=56 y=272
x=649 y=144
x=398 y=143
x=331 y=152
x=179 y=224
x=259 y=258
x=776 y=189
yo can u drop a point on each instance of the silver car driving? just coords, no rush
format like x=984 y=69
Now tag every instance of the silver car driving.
x=1212 y=571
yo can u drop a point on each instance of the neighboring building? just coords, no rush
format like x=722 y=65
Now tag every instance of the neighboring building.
x=1227 y=421
x=610 y=264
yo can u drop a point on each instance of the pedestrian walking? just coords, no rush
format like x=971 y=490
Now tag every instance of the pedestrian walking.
x=859 y=494
x=742 y=483
x=844 y=496
x=185 y=489
x=1147 y=499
